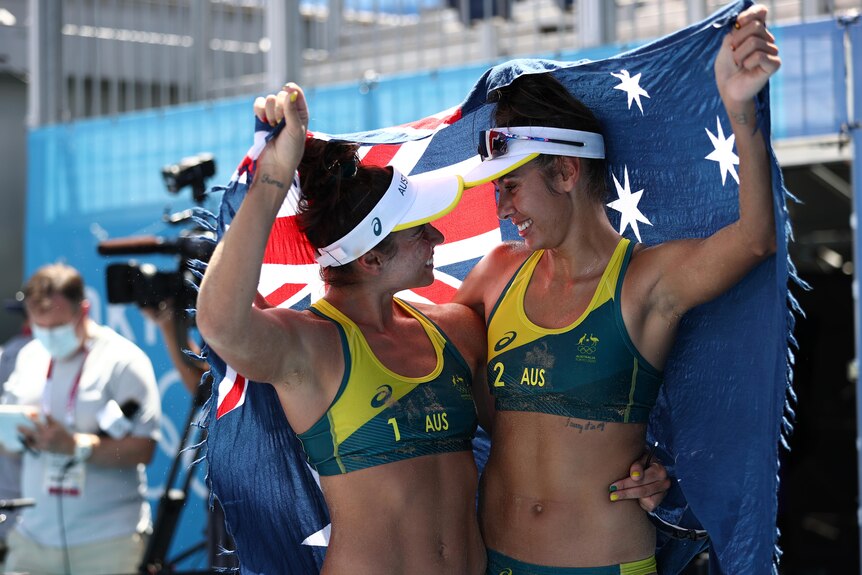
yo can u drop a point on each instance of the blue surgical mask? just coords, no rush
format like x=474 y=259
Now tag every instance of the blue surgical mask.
x=61 y=341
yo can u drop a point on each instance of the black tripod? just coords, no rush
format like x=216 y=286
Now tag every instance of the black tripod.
x=155 y=561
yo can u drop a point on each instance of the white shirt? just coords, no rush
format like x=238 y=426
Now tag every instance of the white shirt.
x=106 y=502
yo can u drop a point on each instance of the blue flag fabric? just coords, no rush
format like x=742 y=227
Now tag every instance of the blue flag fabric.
x=725 y=406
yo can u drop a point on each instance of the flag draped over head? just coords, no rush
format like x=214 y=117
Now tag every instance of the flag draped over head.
x=722 y=411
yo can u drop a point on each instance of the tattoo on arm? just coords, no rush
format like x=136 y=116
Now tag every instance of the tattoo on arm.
x=265 y=179
x=741 y=118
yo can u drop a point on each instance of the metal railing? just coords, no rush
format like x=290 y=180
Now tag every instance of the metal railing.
x=106 y=57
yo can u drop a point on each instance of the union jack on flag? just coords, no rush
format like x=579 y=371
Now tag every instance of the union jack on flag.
x=672 y=174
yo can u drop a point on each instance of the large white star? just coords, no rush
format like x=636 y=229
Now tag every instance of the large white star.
x=318 y=538
x=627 y=206
x=723 y=153
x=631 y=86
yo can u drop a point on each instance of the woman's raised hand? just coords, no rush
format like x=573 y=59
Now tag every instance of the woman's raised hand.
x=747 y=58
x=285 y=151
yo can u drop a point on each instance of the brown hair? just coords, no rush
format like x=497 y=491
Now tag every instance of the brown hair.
x=337 y=193
x=51 y=280
x=541 y=100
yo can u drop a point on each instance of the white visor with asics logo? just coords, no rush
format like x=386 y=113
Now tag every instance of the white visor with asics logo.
x=408 y=202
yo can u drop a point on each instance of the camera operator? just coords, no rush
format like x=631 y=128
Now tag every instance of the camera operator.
x=85 y=454
x=174 y=327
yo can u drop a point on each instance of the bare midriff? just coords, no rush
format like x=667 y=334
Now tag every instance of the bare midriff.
x=544 y=495
x=412 y=516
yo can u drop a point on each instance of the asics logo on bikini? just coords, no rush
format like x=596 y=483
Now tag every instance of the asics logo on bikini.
x=504 y=341
x=384 y=392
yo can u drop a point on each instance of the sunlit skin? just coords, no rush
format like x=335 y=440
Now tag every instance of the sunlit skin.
x=544 y=493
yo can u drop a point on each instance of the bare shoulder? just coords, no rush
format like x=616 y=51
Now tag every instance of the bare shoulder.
x=451 y=316
x=305 y=337
x=650 y=266
x=461 y=323
x=486 y=280
x=301 y=320
x=652 y=260
x=507 y=255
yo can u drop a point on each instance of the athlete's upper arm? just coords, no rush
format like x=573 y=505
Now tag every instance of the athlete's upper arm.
x=278 y=344
x=683 y=274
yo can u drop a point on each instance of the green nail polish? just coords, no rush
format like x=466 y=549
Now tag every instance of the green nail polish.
x=612 y=488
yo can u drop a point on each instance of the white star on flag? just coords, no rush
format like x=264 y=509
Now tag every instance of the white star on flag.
x=723 y=152
x=627 y=205
x=319 y=538
x=631 y=86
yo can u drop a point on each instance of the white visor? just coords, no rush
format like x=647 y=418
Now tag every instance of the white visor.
x=408 y=202
x=517 y=152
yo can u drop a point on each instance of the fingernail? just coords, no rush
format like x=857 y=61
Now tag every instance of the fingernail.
x=636 y=473
x=293 y=96
x=736 y=25
x=612 y=488
x=614 y=496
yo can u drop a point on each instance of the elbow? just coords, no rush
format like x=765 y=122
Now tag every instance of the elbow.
x=757 y=241
x=210 y=323
x=764 y=246
x=205 y=320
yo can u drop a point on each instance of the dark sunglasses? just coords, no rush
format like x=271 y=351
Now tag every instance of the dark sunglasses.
x=495 y=143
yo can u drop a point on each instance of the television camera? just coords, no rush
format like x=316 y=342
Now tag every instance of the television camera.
x=192 y=171
x=144 y=284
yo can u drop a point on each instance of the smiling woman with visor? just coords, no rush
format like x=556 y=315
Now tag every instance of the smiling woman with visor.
x=581 y=321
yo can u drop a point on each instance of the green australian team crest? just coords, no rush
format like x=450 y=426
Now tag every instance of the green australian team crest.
x=587 y=346
x=461 y=385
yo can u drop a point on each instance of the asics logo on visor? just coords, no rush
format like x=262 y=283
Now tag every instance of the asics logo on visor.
x=495 y=143
x=376 y=226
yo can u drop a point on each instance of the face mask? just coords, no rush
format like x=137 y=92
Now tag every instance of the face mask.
x=60 y=341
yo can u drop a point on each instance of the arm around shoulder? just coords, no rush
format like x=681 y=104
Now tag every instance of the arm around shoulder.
x=467 y=332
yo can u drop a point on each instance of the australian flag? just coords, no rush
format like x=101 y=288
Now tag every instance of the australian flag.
x=725 y=406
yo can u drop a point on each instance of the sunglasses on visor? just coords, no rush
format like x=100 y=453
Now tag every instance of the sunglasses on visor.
x=494 y=143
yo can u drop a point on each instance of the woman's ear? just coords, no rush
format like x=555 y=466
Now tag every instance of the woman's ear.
x=370 y=262
x=569 y=173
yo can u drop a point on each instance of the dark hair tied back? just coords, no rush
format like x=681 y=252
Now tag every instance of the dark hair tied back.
x=343 y=167
x=337 y=193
